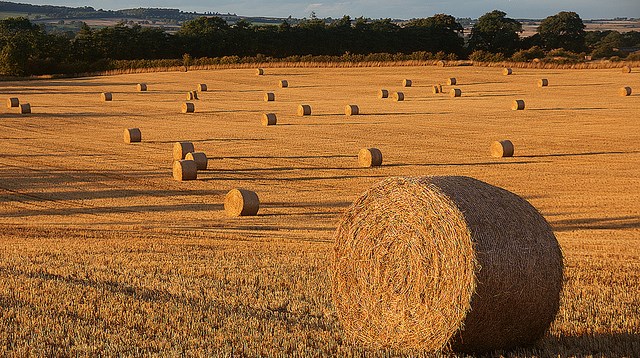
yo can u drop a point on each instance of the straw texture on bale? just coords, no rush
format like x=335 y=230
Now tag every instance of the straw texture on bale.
x=455 y=92
x=200 y=158
x=185 y=170
x=502 y=148
x=437 y=89
x=406 y=83
x=383 y=93
x=202 y=87
x=398 y=96
x=25 y=108
x=269 y=97
x=435 y=262
x=283 y=83
x=626 y=69
x=192 y=95
x=351 y=110
x=625 y=91
x=259 y=71
x=304 y=110
x=518 y=105
x=507 y=71
x=180 y=149
x=269 y=119
x=543 y=82
x=241 y=202
x=451 y=81
x=13 y=102
x=106 y=96
x=440 y=63
x=132 y=135
x=142 y=87
x=188 y=107
x=369 y=157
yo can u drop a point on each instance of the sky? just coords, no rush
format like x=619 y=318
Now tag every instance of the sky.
x=401 y=9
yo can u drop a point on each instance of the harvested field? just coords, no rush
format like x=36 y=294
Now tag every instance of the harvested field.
x=101 y=251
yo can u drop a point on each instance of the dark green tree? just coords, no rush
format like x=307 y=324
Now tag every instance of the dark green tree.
x=20 y=43
x=563 y=30
x=494 y=32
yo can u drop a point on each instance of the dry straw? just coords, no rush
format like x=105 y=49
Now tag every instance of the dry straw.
x=369 y=157
x=383 y=93
x=435 y=262
x=269 y=119
x=132 y=135
x=200 y=158
x=13 y=102
x=241 y=202
x=502 y=148
x=283 y=83
x=304 y=110
x=269 y=97
x=406 y=83
x=626 y=69
x=202 y=87
x=398 y=96
x=185 y=170
x=351 y=110
x=188 y=107
x=625 y=91
x=106 y=96
x=180 y=149
x=455 y=92
x=142 y=87
x=192 y=95
x=25 y=108
x=518 y=105
x=543 y=82
x=507 y=71
x=259 y=71
x=452 y=81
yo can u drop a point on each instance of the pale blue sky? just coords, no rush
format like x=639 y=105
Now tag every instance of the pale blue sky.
x=405 y=9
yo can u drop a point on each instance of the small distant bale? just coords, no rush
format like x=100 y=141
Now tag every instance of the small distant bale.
x=13 y=102
x=451 y=81
x=455 y=92
x=406 y=83
x=241 y=202
x=437 y=89
x=543 y=82
x=202 y=87
x=398 y=96
x=369 y=157
x=304 y=110
x=507 y=71
x=269 y=97
x=626 y=69
x=283 y=83
x=200 y=158
x=501 y=149
x=625 y=91
x=106 y=96
x=132 y=135
x=269 y=119
x=383 y=93
x=142 y=87
x=188 y=107
x=351 y=110
x=518 y=105
x=440 y=63
x=25 y=108
x=185 y=170
x=192 y=95
x=181 y=149
x=259 y=71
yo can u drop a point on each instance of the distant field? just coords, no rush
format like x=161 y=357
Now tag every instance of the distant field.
x=102 y=252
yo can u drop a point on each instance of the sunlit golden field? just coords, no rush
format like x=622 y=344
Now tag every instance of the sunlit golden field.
x=102 y=252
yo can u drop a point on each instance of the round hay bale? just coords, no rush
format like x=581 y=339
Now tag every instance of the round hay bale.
x=132 y=135
x=283 y=83
x=543 y=82
x=626 y=69
x=625 y=91
x=452 y=81
x=369 y=157
x=383 y=93
x=406 y=83
x=440 y=63
x=202 y=87
x=437 y=89
x=455 y=92
x=259 y=71
x=13 y=102
x=431 y=262
x=351 y=110
x=192 y=95
x=188 y=107
x=25 y=108
x=106 y=96
x=269 y=97
x=269 y=119
x=185 y=170
x=142 y=87
x=518 y=105
x=507 y=71
x=304 y=110
x=241 y=202
x=502 y=148
x=398 y=96
x=180 y=149
x=200 y=158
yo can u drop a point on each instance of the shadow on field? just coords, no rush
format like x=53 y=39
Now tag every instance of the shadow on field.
x=455 y=164
x=612 y=223
x=99 y=210
x=207 y=140
x=575 y=154
x=619 y=344
x=290 y=157
x=567 y=109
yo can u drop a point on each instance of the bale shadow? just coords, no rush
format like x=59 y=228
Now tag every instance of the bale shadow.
x=576 y=154
x=610 y=223
x=292 y=156
x=567 y=109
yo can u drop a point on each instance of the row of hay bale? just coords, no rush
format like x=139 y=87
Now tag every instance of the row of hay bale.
x=14 y=102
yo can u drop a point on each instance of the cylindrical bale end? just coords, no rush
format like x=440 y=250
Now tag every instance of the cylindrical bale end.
x=259 y=71
x=269 y=119
x=398 y=96
x=543 y=82
x=13 y=102
x=269 y=97
x=437 y=89
x=106 y=96
x=383 y=93
x=369 y=157
x=452 y=81
x=406 y=83
x=132 y=135
x=625 y=91
x=304 y=110
x=25 y=108
x=518 y=105
x=200 y=158
x=241 y=202
x=440 y=63
x=283 y=83
x=507 y=71
x=202 y=87
x=455 y=92
x=192 y=95
x=180 y=149
x=626 y=69
x=141 y=87
x=351 y=110
x=185 y=170
x=502 y=148
x=188 y=107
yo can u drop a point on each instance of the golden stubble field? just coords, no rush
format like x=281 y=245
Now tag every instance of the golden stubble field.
x=102 y=252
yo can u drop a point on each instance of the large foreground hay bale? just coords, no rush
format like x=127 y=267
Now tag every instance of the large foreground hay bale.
x=406 y=83
x=25 y=108
x=185 y=170
x=259 y=71
x=202 y=87
x=192 y=95
x=383 y=93
x=428 y=262
x=132 y=135
x=517 y=105
x=398 y=96
x=180 y=149
x=304 y=110
x=351 y=110
x=283 y=83
x=188 y=107
x=269 y=97
x=543 y=82
x=502 y=148
x=13 y=102
x=452 y=81
x=269 y=119
x=200 y=158
x=241 y=202
x=141 y=87
x=625 y=91
x=106 y=96
x=455 y=92
x=626 y=69
x=507 y=71
x=369 y=157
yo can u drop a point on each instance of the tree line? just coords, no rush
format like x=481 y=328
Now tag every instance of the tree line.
x=26 y=49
